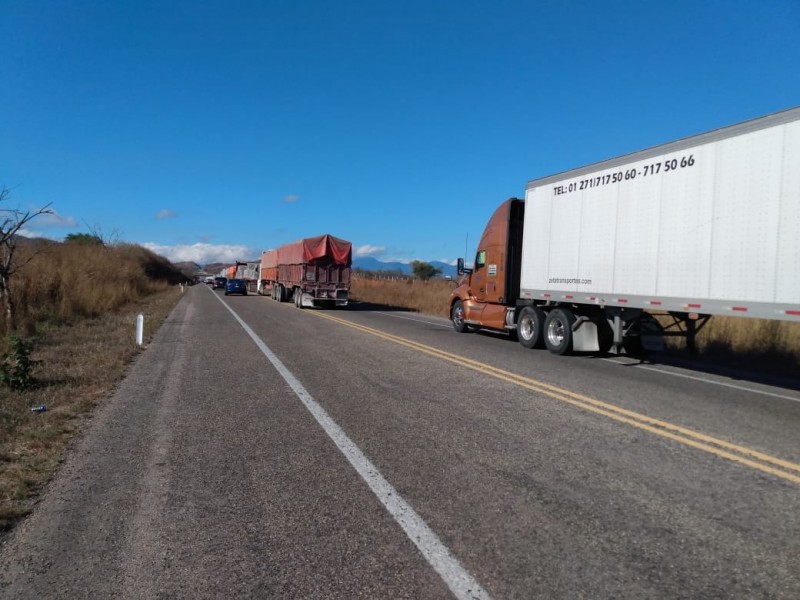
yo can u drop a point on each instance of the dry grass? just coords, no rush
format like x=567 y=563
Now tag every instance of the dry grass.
x=429 y=297
x=77 y=367
x=772 y=346
x=78 y=304
x=755 y=342
x=62 y=281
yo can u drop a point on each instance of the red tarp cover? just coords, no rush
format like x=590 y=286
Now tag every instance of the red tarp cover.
x=323 y=246
x=269 y=259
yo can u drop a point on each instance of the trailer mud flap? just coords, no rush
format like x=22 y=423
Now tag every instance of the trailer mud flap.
x=584 y=335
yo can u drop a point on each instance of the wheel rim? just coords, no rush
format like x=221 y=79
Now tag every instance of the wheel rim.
x=458 y=315
x=555 y=332
x=526 y=328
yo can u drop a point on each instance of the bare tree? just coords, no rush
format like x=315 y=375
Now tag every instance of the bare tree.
x=11 y=221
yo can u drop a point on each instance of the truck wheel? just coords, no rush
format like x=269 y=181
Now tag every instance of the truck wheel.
x=457 y=317
x=634 y=343
x=558 y=331
x=530 y=326
x=298 y=298
x=605 y=335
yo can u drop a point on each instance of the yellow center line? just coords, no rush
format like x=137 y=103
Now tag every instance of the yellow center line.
x=721 y=448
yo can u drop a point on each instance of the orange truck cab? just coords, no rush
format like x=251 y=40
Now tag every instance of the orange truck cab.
x=487 y=294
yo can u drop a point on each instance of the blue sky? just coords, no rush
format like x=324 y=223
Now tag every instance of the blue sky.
x=210 y=131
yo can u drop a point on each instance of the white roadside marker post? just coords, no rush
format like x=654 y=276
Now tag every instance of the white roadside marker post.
x=139 y=329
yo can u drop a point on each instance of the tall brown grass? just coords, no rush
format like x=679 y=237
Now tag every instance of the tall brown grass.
x=59 y=282
x=81 y=303
x=728 y=337
x=429 y=297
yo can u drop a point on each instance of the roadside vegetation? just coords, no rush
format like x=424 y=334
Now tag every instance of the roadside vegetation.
x=773 y=346
x=75 y=310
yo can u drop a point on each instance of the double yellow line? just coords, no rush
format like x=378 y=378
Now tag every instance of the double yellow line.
x=733 y=452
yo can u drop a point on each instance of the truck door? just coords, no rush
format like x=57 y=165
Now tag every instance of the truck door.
x=479 y=276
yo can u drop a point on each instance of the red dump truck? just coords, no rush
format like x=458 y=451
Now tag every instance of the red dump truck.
x=311 y=272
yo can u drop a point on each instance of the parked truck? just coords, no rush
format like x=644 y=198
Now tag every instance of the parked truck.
x=707 y=225
x=249 y=272
x=311 y=272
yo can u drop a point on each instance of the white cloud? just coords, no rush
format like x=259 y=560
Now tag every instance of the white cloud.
x=405 y=261
x=31 y=233
x=203 y=253
x=452 y=263
x=54 y=221
x=367 y=250
x=165 y=213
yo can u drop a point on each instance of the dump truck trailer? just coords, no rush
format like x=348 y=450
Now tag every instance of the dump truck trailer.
x=310 y=272
x=249 y=273
x=707 y=225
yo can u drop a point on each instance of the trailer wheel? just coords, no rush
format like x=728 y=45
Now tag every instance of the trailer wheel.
x=633 y=343
x=530 y=327
x=605 y=335
x=558 y=331
x=457 y=317
x=298 y=298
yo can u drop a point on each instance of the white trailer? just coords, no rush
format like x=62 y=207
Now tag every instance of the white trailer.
x=707 y=225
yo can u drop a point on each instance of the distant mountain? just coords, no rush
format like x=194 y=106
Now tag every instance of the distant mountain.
x=214 y=268
x=189 y=268
x=368 y=263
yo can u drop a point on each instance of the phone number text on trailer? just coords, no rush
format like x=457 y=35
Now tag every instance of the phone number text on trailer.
x=646 y=170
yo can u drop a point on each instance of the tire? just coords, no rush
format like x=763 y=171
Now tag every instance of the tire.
x=281 y=293
x=633 y=343
x=530 y=327
x=298 y=298
x=558 y=331
x=457 y=317
x=605 y=335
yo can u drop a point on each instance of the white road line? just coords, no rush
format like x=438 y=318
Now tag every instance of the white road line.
x=439 y=556
x=704 y=380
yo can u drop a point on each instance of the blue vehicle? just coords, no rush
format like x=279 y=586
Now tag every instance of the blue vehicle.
x=236 y=286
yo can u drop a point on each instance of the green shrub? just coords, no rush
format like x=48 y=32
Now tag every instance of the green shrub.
x=16 y=364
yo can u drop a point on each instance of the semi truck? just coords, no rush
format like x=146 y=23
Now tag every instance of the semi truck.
x=703 y=226
x=311 y=272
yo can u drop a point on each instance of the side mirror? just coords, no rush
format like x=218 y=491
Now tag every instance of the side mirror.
x=460 y=269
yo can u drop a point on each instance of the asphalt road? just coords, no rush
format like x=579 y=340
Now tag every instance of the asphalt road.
x=258 y=450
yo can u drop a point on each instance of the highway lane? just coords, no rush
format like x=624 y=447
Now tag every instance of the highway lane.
x=205 y=475
x=761 y=416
